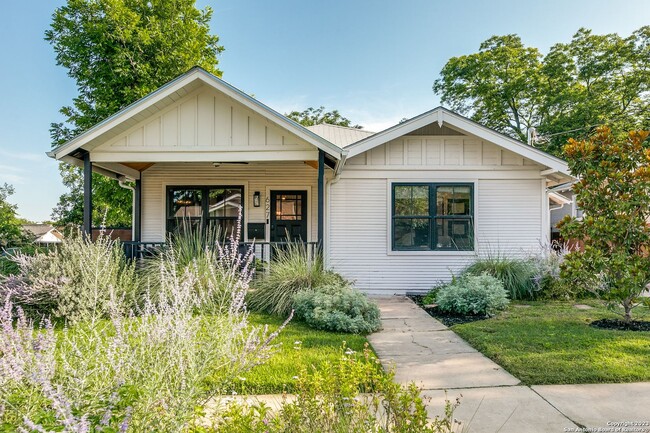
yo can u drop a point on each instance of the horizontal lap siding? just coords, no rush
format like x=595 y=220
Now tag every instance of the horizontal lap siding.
x=254 y=177
x=359 y=240
x=508 y=215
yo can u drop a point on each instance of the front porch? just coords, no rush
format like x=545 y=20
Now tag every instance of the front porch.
x=274 y=199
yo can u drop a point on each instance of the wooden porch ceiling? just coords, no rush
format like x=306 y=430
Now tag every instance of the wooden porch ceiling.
x=140 y=166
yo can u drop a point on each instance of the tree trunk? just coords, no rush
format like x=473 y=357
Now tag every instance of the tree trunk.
x=627 y=306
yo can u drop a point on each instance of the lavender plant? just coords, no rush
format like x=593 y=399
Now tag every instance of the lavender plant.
x=132 y=373
x=215 y=261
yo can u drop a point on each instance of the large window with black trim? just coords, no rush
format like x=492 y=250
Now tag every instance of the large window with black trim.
x=216 y=207
x=433 y=217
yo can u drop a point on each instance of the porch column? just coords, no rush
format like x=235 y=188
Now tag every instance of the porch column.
x=88 y=195
x=137 y=208
x=321 y=196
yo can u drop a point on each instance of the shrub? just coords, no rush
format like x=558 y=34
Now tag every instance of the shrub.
x=473 y=294
x=337 y=307
x=332 y=400
x=75 y=281
x=145 y=374
x=292 y=269
x=214 y=260
x=515 y=274
x=430 y=296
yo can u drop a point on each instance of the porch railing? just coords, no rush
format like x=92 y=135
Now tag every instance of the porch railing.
x=262 y=251
x=140 y=250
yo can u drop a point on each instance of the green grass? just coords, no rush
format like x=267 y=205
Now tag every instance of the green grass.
x=315 y=349
x=552 y=343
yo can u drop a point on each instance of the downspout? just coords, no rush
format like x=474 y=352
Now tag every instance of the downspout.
x=329 y=183
x=120 y=182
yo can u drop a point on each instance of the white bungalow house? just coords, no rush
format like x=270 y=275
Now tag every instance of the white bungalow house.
x=396 y=210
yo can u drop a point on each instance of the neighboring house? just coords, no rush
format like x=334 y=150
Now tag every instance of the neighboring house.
x=562 y=203
x=43 y=234
x=395 y=211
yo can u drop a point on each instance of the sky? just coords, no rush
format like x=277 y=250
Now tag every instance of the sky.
x=374 y=61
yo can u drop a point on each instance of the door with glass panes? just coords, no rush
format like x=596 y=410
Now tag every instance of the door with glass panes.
x=288 y=216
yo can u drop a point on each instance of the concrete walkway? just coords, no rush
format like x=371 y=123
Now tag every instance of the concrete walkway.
x=426 y=352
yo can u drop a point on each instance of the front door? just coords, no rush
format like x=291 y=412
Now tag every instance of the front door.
x=288 y=216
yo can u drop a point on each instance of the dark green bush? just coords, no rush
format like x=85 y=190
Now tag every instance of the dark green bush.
x=517 y=275
x=337 y=307
x=473 y=295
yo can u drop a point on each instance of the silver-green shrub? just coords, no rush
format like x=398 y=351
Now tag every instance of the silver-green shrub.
x=337 y=307
x=80 y=280
x=216 y=263
x=473 y=295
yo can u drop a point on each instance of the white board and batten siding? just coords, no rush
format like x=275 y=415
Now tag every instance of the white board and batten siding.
x=509 y=210
x=262 y=177
x=199 y=124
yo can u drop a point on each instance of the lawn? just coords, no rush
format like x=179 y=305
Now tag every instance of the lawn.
x=298 y=345
x=552 y=343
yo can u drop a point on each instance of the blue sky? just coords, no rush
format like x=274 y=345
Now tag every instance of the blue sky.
x=375 y=61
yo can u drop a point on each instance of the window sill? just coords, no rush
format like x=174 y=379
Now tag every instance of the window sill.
x=431 y=253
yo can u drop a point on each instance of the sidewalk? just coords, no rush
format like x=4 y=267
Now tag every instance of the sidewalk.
x=423 y=350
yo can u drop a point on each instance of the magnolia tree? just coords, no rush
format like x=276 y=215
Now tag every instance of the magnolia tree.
x=614 y=192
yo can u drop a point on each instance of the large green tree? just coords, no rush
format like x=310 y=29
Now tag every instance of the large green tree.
x=315 y=116
x=499 y=86
x=118 y=51
x=591 y=80
x=11 y=234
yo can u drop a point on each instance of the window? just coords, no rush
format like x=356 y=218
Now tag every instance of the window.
x=433 y=216
x=201 y=206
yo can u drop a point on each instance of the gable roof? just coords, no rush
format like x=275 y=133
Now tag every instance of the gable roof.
x=339 y=135
x=444 y=116
x=169 y=93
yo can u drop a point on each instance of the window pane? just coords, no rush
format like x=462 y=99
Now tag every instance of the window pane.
x=453 y=200
x=223 y=228
x=288 y=207
x=185 y=203
x=184 y=225
x=224 y=202
x=455 y=234
x=411 y=200
x=411 y=233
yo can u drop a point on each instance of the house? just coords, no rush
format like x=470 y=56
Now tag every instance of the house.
x=396 y=210
x=42 y=234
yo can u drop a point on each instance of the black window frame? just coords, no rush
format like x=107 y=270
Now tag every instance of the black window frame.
x=433 y=216
x=205 y=205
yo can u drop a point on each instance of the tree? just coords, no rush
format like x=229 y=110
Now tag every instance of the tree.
x=614 y=192
x=590 y=81
x=11 y=233
x=315 y=116
x=118 y=51
x=500 y=85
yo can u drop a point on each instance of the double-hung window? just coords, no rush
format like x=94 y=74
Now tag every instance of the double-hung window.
x=433 y=217
x=216 y=207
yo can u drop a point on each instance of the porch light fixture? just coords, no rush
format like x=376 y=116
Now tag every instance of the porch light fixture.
x=256 y=199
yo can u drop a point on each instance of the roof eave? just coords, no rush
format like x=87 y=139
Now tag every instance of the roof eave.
x=185 y=79
x=442 y=115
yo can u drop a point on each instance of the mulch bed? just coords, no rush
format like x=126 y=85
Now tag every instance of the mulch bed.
x=619 y=325
x=447 y=319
